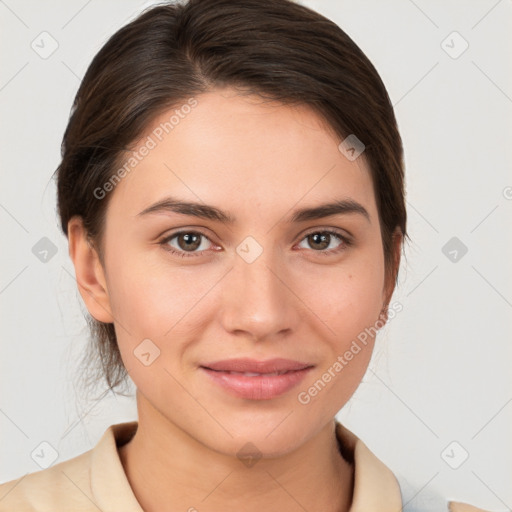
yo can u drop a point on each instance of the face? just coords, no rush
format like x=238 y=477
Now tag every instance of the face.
x=255 y=271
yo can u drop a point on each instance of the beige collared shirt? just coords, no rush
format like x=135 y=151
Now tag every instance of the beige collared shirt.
x=95 y=481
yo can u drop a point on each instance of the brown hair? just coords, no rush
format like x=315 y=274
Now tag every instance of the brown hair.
x=277 y=49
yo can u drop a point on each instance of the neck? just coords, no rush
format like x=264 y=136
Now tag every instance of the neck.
x=197 y=478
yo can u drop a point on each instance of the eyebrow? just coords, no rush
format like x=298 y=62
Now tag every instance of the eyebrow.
x=204 y=211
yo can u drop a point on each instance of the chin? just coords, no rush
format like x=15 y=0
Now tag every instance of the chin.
x=253 y=445
x=271 y=435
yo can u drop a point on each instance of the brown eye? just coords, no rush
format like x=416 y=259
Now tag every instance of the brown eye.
x=320 y=241
x=185 y=243
x=189 y=241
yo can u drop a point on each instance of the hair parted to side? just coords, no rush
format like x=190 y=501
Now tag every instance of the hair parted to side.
x=277 y=49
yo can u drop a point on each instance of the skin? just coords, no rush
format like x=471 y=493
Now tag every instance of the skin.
x=259 y=162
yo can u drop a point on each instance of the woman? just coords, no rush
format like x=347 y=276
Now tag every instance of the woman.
x=232 y=190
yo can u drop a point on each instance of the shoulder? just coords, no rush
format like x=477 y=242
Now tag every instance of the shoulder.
x=456 y=506
x=423 y=499
x=66 y=484
x=376 y=485
x=92 y=481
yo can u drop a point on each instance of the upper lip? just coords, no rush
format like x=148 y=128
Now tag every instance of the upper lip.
x=254 y=366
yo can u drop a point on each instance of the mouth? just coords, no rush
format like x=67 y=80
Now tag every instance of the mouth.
x=252 y=374
x=256 y=380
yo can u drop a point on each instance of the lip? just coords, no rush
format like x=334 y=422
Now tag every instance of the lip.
x=276 y=376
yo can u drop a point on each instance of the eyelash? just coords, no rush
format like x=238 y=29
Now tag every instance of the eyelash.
x=346 y=242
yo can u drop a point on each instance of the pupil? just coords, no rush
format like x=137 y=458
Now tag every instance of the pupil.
x=189 y=237
x=322 y=239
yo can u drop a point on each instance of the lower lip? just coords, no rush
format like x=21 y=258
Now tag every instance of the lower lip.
x=261 y=387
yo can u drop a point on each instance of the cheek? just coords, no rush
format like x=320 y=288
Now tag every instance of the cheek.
x=350 y=306
x=357 y=306
x=351 y=311
x=155 y=301
x=349 y=298
x=151 y=309
x=140 y=289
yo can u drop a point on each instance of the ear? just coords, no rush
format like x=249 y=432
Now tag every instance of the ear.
x=89 y=272
x=389 y=287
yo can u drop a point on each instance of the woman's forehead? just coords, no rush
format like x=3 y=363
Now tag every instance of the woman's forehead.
x=239 y=149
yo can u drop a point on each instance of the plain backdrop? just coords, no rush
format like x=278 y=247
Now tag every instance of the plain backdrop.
x=436 y=402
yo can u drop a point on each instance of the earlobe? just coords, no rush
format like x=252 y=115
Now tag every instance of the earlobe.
x=89 y=273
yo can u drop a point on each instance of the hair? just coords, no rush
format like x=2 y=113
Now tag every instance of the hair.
x=277 y=49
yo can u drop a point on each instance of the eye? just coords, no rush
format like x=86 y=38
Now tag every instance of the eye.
x=187 y=243
x=190 y=243
x=321 y=240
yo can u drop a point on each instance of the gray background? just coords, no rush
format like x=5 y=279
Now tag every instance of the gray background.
x=441 y=369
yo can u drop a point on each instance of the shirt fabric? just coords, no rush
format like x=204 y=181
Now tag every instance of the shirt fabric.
x=95 y=480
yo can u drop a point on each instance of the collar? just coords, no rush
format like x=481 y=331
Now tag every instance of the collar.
x=375 y=486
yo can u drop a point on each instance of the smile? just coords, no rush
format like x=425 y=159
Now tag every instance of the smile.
x=240 y=378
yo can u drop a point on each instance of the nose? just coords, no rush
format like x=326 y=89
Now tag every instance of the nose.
x=257 y=299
